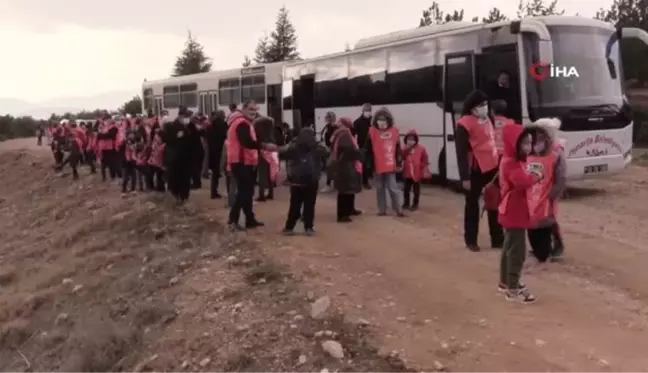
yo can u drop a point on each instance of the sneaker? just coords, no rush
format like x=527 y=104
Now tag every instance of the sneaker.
x=310 y=232
x=344 y=219
x=254 y=224
x=356 y=212
x=288 y=232
x=502 y=288
x=474 y=248
x=400 y=214
x=520 y=295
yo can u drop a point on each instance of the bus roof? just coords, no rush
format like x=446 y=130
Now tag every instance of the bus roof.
x=404 y=36
x=270 y=68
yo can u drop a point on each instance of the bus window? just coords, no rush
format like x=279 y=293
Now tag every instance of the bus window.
x=188 y=95
x=171 y=96
x=253 y=88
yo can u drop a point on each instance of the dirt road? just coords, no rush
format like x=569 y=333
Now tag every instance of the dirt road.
x=436 y=304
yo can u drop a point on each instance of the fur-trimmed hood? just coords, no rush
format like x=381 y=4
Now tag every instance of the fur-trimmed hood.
x=383 y=113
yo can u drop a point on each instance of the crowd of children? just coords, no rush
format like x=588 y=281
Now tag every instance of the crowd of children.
x=521 y=192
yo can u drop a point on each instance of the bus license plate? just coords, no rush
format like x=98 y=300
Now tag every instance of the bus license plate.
x=596 y=168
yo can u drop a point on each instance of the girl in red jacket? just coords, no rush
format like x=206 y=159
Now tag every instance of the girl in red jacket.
x=415 y=169
x=515 y=181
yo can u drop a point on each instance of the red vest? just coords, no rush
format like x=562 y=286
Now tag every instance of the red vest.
x=482 y=142
x=236 y=153
x=414 y=163
x=540 y=207
x=497 y=132
x=383 y=144
x=106 y=144
x=156 y=158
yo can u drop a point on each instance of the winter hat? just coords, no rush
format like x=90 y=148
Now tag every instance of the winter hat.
x=551 y=125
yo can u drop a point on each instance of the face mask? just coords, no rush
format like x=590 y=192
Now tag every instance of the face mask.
x=539 y=148
x=481 y=111
x=382 y=124
x=411 y=143
x=185 y=121
x=366 y=114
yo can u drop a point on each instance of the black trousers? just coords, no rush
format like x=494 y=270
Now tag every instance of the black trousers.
x=245 y=177
x=213 y=184
x=410 y=186
x=143 y=178
x=306 y=197
x=540 y=240
x=157 y=176
x=472 y=214
x=196 y=174
x=345 y=205
x=90 y=159
x=129 y=175
x=179 y=180
x=58 y=157
x=109 y=162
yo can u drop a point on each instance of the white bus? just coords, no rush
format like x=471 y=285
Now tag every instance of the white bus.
x=216 y=90
x=423 y=75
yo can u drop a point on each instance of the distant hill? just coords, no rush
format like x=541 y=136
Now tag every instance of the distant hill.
x=42 y=110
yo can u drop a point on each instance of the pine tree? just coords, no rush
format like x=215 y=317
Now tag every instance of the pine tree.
x=283 y=40
x=534 y=8
x=494 y=15
x=133 y=106
x=192 y=60
x=261 y=51
x=246 y=61
x=435 y=16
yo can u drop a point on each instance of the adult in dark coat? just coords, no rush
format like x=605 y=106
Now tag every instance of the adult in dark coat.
x=361 y=130
x=342 y=170
x=215 y=135
x=179 y=154
x=264 y=128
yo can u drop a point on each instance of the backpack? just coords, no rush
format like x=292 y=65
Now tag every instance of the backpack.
x=304 y=168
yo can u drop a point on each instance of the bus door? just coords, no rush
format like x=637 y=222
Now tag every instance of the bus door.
x=203 y=103
x=157 y=106
x=458 y=82
x=213 y=100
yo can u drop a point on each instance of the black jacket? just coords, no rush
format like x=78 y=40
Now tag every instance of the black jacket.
x=215 y=136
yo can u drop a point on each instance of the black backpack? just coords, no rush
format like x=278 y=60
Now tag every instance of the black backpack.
x=305 y=168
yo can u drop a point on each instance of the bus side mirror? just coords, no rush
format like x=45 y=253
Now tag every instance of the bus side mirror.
x=611 y=68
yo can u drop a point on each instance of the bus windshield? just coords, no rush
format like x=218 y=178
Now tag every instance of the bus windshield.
x=599 y=80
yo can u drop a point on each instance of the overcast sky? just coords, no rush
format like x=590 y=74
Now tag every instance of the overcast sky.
x=63 y=48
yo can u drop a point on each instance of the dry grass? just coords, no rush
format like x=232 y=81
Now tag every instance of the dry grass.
x=90 y=281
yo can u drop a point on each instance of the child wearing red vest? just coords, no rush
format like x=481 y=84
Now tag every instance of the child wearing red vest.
x=415 y=169
x=515 y=181
x=385 y=158
x=156 y=161
x=543 y=197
